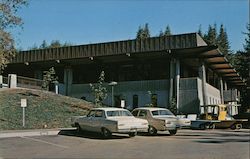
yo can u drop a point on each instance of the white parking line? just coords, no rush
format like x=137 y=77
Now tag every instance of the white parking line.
x=50 y=143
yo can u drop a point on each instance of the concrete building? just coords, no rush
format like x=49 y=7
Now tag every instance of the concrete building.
x=151 y=71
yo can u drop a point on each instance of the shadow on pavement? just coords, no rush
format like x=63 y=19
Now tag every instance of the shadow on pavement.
x=90 y=135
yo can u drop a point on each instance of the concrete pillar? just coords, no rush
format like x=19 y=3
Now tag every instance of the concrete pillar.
x=68 y=79
x=177 y=78
x=221 y=91
x=225 y=85
x=171 y=80
x=202 y=75
x=1 y=81
x=12 y=81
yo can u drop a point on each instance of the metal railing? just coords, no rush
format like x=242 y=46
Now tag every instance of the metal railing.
x=27 y=82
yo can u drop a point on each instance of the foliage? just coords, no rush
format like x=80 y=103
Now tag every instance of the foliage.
x=212 y=37
x=222 y=41
x=167 y=31
x=48 y=78
x=143 y=32
x=173 y=106
x=9 y=20
x=99 y=91
x=247 y=40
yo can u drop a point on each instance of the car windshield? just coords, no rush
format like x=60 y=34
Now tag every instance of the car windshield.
x=118 y=113
x=161 y=112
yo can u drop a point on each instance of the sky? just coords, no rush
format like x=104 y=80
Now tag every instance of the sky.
x=93 y=21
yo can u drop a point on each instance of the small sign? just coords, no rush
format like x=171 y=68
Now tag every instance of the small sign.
x=23 y=103
x=122 y=103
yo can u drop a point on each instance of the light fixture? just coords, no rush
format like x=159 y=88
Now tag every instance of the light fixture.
x=26 y=63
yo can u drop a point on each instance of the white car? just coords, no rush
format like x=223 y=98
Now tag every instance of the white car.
x=110 y=120
x=183 y=122
x=159 y=119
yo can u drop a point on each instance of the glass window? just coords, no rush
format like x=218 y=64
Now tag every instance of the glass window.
x=99 y=113
x=161 y=112
x=135 y=101
x=143 y=113
x=118 y=113
x=91 y=113
x=135 y=112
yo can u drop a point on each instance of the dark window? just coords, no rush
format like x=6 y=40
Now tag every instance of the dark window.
x=135 y=101
x=135 y=112
x=143 y=113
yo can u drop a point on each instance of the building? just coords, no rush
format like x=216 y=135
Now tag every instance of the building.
x=157 y=71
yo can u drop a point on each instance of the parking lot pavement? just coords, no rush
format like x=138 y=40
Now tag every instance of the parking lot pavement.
x=215 y=144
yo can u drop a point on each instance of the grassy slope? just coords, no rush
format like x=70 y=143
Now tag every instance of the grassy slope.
x=44 y=108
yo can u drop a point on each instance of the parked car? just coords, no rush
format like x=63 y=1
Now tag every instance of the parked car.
x=159 y=119
x=110 y=120
x=183 y=121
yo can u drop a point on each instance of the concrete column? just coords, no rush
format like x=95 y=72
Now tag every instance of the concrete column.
x=225 y=85
x=68 y=79
x=221 y=91
x=177 y=78
x=171 y=80
x=204 y=83
x=12 y=81
x=1 y=81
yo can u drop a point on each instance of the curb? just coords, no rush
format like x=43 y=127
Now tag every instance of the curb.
x=31 y=132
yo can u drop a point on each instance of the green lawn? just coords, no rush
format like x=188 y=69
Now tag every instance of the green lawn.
x=44 y=109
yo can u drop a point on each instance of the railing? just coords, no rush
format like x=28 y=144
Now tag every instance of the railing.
x=26 y=82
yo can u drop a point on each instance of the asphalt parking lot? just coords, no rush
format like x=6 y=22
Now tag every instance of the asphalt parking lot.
x=188 y=144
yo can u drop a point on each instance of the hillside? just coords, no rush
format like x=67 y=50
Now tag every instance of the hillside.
x=44 y=109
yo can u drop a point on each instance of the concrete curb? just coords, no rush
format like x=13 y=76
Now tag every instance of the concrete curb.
x=31 y=132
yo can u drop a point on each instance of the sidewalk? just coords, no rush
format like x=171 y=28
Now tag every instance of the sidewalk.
x=31 y=132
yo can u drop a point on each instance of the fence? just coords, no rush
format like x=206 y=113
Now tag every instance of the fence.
x=26 y=82
x=20 y=81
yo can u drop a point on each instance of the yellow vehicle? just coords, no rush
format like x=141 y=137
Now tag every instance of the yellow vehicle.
x=219 y=112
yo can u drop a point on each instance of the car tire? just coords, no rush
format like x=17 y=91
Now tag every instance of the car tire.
x=152 y=130
x=172 y=132
x=106 y=133
x=212 y=126
x=78 y=128
x=132 y=134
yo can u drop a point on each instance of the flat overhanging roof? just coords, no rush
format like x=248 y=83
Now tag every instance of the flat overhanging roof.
x=183 y=46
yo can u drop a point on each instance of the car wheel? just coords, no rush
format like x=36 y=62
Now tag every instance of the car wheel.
x=152 y=130
x=173 y=132
x=78 y=128
x=212 y=126
x=106 y=133
x=132 y=134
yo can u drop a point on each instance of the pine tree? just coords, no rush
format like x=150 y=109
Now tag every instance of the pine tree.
x=247 y=40
x=43 y=45
x=211 y=36
x=143 y=33
x=223 y=42
x=167 y=31
x=161 y=33
x=200 y=31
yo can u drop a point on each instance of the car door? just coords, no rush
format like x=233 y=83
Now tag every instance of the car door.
x=98 y=120
x=86 y=123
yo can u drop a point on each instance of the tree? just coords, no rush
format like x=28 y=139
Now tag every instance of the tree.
x=99 y=91
x=167 y=31
x=161 y=33
x=9 y=20
x=211 y=36
x=49 y=77
x=247 y=40
x=143 y=33
x=43 y=45
x=200 y=31
x=222 y=41
x=55 y=44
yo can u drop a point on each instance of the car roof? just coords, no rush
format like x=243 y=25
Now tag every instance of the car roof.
x=108 y=108
x=150 y=108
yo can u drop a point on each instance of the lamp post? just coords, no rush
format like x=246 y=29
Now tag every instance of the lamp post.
x=112 y=84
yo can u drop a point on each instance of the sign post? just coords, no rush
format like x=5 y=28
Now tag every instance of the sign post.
x=23 y=105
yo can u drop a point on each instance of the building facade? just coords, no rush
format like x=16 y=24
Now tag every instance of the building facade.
x=180 y=69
